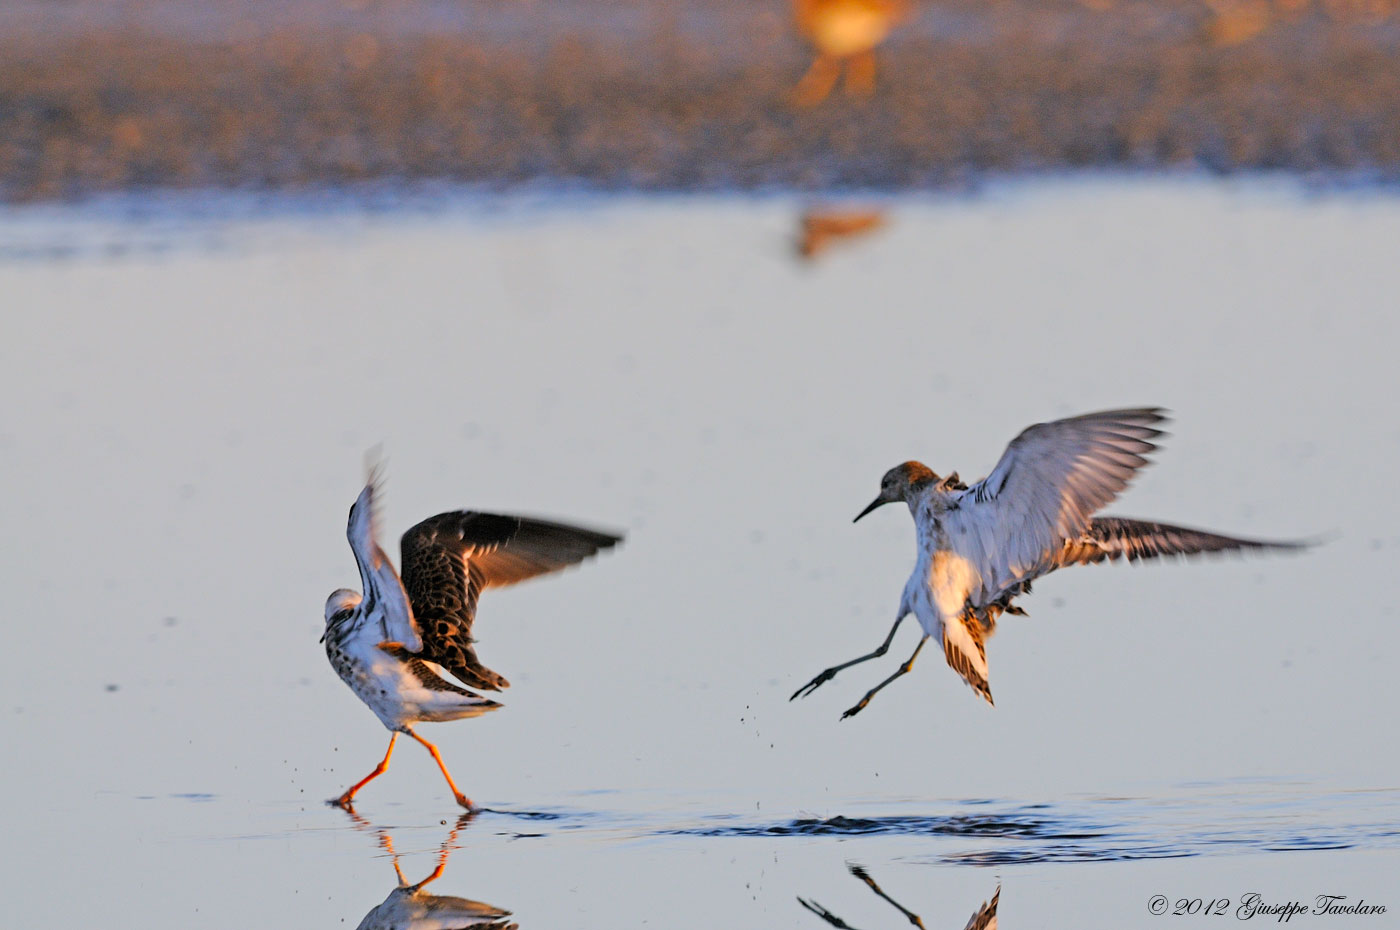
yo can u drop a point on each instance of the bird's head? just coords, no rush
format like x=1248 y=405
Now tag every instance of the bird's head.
x=339 y=603
x=900 y=483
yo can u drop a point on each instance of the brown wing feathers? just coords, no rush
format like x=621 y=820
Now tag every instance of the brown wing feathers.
x=450 y=558
x=1113 y=538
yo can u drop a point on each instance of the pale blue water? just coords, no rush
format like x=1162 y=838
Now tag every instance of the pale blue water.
x=192 y=393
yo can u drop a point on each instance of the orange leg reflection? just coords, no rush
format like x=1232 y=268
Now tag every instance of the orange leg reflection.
x=386 y=843
x=448 y=845
x=383 y=766
x=462 y=799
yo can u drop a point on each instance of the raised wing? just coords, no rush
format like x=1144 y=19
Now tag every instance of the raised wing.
x=986 y=916
x=1045 y=489
x=449 y=559
x=1112 y=538
x=377 y=576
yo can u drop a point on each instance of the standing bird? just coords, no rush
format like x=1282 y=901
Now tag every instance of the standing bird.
x=845 y=33
x=982 y=546
x=396 y=645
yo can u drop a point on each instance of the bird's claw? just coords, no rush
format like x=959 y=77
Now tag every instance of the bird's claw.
x=466 y=802
x=823 y=913
x=814 y=684
x=854 y=710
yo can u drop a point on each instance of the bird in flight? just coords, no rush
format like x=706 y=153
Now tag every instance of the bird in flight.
x=980 y=547
x=405 y=646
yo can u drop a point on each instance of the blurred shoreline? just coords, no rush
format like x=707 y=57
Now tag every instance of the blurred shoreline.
x=644 y=100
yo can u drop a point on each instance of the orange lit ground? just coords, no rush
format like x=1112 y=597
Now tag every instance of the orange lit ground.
x=659 y=96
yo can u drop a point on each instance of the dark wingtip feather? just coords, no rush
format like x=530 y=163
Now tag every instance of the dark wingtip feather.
x=1111 y=538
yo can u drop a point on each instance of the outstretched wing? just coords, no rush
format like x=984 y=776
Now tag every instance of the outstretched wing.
x=1112 y=538
x=377 y=576
x=449 y=559
x=445 y=911
x=1011 y=525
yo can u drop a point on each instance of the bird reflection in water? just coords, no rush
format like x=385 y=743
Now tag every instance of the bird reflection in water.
x=844 y=34
x=819 y=227
x=985 y=918
x=409 y=907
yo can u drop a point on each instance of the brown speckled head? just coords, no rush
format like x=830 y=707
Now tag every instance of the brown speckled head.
x=900 y=483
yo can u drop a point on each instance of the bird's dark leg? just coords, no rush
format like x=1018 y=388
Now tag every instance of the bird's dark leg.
x=902 y=670
x=462 y=799
x=864 y=876
x=383 y=766
x=824 y=914
x=830 y=673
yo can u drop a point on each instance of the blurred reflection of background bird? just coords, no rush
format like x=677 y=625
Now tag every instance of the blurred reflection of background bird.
x=844 y=34
x=984 y=918
x=403 y=646
x=819 y=227
x=409 y=907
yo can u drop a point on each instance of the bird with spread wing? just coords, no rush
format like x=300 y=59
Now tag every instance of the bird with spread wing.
x=980 y=547
x=405 y=646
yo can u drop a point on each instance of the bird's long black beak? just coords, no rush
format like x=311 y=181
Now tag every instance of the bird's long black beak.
x=877 y=502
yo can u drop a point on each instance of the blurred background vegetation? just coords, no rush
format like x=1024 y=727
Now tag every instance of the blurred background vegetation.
x=100 y=95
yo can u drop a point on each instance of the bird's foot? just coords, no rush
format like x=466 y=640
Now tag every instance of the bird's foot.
x=814 y=684
x=466 y=802
x=345 y=802
x=857 y=709
x=824 y=914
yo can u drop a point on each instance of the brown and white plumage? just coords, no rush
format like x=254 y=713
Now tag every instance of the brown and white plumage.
x=980 y=547
x=401 y=645
x=449 y=559
x=985 y=918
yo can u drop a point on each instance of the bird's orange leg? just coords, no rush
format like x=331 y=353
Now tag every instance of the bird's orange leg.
x=445 y=850
x=437 y=873
x=380 y=769
x=817 y=82
x=860 y=75
x=462 y=799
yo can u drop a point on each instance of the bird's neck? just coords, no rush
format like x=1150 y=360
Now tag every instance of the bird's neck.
x=345 y=623
x=927 y=505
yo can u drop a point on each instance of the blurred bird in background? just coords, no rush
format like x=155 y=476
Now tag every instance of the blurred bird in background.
x=844 y=34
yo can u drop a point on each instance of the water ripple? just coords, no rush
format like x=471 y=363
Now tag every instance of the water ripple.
x=1209 y=821
x=992 y=825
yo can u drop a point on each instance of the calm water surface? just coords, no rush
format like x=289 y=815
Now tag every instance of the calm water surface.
x=191 y=395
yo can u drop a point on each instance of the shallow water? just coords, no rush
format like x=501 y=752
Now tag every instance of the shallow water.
x=193 y=388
